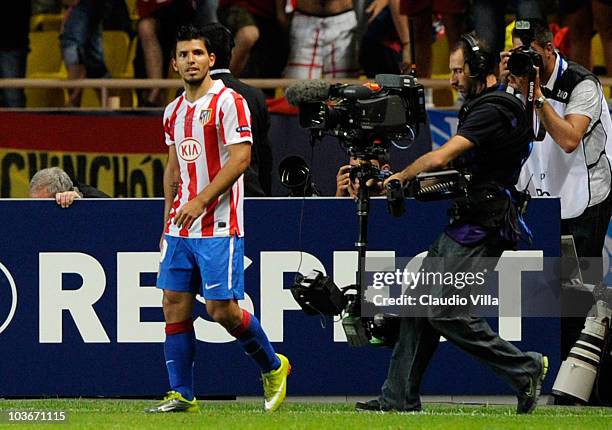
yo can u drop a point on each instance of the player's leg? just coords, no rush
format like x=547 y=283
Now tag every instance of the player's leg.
x=179 y=347
x=177 y=279
x=247 y=330
x=221 y=262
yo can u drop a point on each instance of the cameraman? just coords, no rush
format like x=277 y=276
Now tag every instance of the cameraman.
x=345 y=187
x=492 y=141
x=572 y=161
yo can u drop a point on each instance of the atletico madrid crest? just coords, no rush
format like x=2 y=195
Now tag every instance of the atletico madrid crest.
x=205 y=115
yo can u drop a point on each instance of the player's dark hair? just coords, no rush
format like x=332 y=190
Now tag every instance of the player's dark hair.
x=190 y=32
x=221 y=43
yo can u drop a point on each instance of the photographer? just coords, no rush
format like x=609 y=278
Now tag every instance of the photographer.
x=572 y=161
x=491 y=143
x=346 y=186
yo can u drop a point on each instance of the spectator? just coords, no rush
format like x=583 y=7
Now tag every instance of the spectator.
x=321 y=40
x=81 y=43
x=260 y=29
x=386 y=36
x=582 y=17
x=206 y=11
x=258 y=177
x=14 y=46
x=421 y=12
x=117 y=17
x=489 y=20
x=159 y=20
x=53 y=182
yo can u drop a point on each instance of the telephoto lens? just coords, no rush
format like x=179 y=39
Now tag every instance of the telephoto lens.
x=395 y=198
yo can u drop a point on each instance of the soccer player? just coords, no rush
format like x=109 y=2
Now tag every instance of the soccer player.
x=208 y=132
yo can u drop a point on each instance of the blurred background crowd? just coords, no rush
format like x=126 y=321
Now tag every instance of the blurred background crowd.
x=333 y=39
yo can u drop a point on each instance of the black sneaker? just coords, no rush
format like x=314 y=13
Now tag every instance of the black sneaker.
x=375 y=406
x=528 y=400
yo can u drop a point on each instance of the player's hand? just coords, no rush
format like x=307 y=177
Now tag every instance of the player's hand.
x=66 y=198
x=189 y=213
x=375 y=8
x=343 y=181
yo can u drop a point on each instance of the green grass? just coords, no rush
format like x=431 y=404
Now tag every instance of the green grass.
x=125 y=414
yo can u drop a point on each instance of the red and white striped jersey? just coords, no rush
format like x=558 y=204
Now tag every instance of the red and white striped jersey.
x=200 y=132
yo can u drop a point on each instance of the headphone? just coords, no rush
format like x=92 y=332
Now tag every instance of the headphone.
x=476 y=58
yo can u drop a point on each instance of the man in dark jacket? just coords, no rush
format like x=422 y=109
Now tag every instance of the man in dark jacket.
x=258 y=177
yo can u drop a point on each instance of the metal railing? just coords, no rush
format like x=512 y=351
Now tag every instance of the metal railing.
x=106 y=85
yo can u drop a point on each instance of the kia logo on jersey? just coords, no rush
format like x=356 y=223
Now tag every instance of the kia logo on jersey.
x=8 y=297
x=189 y=149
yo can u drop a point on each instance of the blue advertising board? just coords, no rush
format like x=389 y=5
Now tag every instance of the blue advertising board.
x=80 y=316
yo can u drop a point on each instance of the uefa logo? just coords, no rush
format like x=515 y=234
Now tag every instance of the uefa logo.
x=8 y=297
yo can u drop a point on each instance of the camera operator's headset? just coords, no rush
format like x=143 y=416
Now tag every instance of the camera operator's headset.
x=476 y=58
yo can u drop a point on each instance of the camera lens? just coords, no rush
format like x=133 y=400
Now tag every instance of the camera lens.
x=520 y=63
x=293 y=172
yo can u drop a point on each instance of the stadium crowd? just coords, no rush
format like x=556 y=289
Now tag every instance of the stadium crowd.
x=288 y=38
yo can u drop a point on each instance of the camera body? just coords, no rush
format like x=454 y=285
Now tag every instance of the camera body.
x=365 y=118
x=523 y=59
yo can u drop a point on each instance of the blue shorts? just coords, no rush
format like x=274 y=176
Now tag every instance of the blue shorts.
x=212 y=266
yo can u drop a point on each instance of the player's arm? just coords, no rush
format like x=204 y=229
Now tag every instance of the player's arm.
x=172 y=180
x=434 y=160
x=239 y=160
